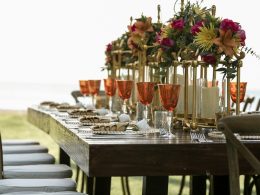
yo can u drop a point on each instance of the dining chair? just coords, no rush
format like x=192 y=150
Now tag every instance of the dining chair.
x=249 y=124
x=27 y=168
x=19 y=142
x=76 y=94
x=24 y=149
x=258 y=105
x=41 y=185
x=248 y=103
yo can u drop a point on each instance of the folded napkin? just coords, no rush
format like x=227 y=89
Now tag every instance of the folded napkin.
x=124 y=118
x=110 y=127
x=143 y=125
x=102 y=111
x=89 y=106
x=80 y=112
x=94 y=119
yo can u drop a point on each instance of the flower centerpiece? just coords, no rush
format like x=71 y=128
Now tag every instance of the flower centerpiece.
x=219 y=39
x=142 y=32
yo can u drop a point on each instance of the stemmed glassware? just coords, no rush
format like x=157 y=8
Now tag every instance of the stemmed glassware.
x=242 y=92
x=145 y=95
x=233 y=91
x=94 y=86
x=110 y=90
x=124 y=92
x=169 y=95
x=84 y=90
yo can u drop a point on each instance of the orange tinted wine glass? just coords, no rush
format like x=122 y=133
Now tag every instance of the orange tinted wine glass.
x=110 y=90
x=84 y=89
x=94 y=86
x=169 y=95
x=145 y=95
x=233 y=91
x=124 y=91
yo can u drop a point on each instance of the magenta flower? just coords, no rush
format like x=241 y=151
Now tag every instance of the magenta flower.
x=209 y=58
x=178 y=24
x=196 y=28
x=133 y=28
x=227 y=24
x=158 y=37
x=109 y=47
x=166 y=42
x=242 y=35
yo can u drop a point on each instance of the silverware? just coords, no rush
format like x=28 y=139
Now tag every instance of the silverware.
x=199 y=137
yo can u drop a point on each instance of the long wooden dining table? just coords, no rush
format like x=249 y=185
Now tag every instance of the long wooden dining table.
x=152 y=157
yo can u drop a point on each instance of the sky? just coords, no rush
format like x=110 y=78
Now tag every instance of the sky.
x=62 y=41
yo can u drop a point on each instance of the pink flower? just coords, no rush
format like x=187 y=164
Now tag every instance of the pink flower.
x=227 y=24
x=158 y=37
x=209 y=58
x=109 y=47
x=133 y=28
x=242 y=35
x=178 y=24
x=166 y=42
x=196 y=28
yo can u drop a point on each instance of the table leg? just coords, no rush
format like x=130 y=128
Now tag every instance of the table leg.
x=90 y=183
x=220 y=185
x=102 y=185
x=155 y=185
x=64 y=157
x=198 y=185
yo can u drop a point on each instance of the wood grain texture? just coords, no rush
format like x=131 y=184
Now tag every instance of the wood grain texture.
x=141 y=157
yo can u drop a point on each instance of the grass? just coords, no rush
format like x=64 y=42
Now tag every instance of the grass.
x=14 y=125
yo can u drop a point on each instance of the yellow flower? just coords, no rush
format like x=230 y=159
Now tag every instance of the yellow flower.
x=205 y=38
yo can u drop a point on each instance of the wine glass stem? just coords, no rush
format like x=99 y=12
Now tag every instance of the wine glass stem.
x=146 y=113
x=93 y=100
x=110 y=103
x=124 y=108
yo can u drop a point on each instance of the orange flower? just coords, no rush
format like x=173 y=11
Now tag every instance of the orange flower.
x=144 y=26
x=226 y=43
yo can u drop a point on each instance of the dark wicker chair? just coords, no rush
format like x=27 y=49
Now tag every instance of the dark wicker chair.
x=249 y=124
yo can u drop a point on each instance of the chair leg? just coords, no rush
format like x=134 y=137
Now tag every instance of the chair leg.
x=77 y=174
x=90 y=184
x=123 y=186
x=257 y=184
x=182 y=185
x=82 y=182
x=247 y=185
x=127 y=186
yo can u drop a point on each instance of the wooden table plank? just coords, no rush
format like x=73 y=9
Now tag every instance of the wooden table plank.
x=139 y=157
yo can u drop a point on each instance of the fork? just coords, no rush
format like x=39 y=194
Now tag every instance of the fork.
x=199 y=137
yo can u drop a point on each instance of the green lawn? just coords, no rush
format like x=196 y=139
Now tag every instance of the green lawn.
x=14 y=125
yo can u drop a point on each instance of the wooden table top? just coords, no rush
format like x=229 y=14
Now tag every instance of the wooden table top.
x=144 y=156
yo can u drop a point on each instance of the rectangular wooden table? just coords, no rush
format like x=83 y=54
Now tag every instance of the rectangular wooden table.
x=152 y=157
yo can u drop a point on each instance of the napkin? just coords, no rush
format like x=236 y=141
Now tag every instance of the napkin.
x=124 y=118
x=102 y=111
x=143 y=125
x=111 y=127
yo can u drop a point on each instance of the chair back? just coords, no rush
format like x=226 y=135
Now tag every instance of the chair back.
x=76 y=94
x=258 y=106
x=249 y=124
x=1 y=158
x=248 y=102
